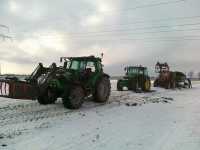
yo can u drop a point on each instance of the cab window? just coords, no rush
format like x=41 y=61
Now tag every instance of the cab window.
x=91 y=65
x=74 y=65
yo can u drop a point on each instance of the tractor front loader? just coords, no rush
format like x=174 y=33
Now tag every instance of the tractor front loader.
x=13 y=87
x=170 y=79
x=77 y=79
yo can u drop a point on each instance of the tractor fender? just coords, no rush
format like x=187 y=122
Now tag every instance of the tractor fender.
x=76 y=83
x=100 y=77
x=105 y=75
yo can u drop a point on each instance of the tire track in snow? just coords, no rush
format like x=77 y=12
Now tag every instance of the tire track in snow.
x=16 y=118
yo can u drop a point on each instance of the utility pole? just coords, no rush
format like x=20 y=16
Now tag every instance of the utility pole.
x=0 y=68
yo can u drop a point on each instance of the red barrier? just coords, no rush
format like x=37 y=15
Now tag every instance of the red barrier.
x=17 y=90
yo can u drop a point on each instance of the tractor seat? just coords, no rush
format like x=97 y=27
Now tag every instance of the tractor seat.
x=88 y=71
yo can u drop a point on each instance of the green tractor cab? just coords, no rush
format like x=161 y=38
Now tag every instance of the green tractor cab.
x=136 y=78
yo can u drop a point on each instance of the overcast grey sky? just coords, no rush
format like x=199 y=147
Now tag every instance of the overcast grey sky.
x=129 y=32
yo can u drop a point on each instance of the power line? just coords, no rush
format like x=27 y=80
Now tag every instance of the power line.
x=147 y=5
x=134 y=29
x=4 y=37
x=5 y=27
x=156 y=20
x=144 y=21
x=175 y=38
x=143 y=6
x=145 y=40
x=149 y=39
x=124 y=31
x=156 y=39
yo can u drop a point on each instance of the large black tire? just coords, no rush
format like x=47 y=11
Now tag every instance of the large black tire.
x=173 y=85
x=146 y=87
x=48 y=97
x=134 y=85
x=102 y=90
x=167 y=85
x=187 y=83
x=170 y=85
x=119 y=87
x=74 y=98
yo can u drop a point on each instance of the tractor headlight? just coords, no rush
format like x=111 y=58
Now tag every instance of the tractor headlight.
x=41 y=79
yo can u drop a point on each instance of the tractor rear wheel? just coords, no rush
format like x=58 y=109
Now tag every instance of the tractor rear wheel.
x=146 y=85
x=74 y=99
x=134 y=85
x=48 y=97
x=102 y=90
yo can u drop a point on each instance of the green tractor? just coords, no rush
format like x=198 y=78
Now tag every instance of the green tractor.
x=77 y=79
x=136 y=78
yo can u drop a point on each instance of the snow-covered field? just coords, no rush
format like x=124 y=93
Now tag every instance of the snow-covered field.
x=159 y=120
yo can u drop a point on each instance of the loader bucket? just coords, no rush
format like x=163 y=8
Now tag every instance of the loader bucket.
x=17 y=90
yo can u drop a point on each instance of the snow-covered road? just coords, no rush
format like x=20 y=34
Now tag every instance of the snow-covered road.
x=162 y=120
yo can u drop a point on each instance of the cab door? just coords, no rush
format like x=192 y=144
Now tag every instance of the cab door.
x=91 y=73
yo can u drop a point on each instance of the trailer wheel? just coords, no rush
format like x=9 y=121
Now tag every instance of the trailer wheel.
x=48 y=97
x=102 y=90
x=155 y=84
x=167 y=85
x=74 y=99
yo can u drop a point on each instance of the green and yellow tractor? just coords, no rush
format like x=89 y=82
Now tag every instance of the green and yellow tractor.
x=77 y=79
x=136 y=78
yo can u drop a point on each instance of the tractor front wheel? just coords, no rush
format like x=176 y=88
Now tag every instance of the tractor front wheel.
x=119 y=87
x=134 y=85
x=48 y=97
x=102 y=90
x=74 y=99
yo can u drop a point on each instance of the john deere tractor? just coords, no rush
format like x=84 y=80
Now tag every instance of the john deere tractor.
x=136 y=78
x=77 y=79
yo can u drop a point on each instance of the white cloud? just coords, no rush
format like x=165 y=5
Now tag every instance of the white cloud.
x=28 y=10
x=41 y=42
x=101 y=14
x=92 y=20
x=14 y=6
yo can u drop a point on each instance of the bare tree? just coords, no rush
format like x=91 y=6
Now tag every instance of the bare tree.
x=3 y=36
x=5 y=27
x=199 y=75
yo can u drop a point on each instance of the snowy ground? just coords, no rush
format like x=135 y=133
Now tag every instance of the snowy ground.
x=161 y=120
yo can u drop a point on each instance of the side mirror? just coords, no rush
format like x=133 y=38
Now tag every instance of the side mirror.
x=63 y=58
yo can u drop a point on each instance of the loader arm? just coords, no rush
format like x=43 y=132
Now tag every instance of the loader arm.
x=34 y=85
x=27 y=89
